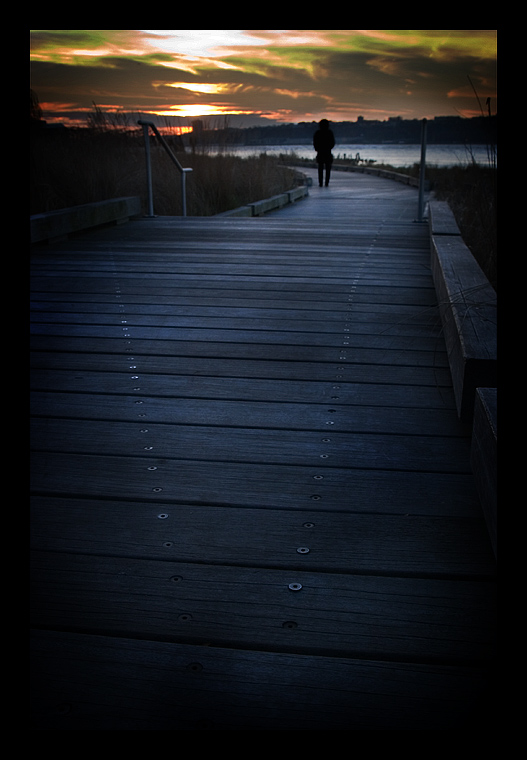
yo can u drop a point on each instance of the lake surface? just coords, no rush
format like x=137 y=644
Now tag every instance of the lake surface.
x=395 y=155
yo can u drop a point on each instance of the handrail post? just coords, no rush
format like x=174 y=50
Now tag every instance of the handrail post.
x=148 y=169
x=184 y=189
x=183 y=172
x=422 y=172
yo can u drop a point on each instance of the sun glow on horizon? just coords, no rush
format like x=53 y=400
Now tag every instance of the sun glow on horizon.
x=195 y=110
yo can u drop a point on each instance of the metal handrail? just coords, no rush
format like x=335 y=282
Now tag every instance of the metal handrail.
x=183 y=171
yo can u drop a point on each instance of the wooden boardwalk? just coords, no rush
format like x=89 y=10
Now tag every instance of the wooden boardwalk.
x=252 y=503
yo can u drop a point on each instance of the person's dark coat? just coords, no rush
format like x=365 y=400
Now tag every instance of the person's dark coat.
x=324 y=142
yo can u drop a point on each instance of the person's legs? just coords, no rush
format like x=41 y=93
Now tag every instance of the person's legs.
x=328 y=172
x=320 y=173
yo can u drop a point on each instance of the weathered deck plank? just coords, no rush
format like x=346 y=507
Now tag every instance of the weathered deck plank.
x=368 y=616
x=65 y=353
x=244 y=436
x=418 y=546
x=132 y=685
x=256 y=414
x=204 y=481
x=240 y=388
x=358 y=450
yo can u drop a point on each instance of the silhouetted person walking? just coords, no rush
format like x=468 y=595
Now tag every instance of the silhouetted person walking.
x=324 y=142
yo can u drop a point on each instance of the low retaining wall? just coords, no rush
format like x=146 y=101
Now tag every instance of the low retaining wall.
x=56 y=225
x=484 y=457
x=269 y=204
x=385 y=173
x=365 y=169
x=468 y=309
x=59 y=224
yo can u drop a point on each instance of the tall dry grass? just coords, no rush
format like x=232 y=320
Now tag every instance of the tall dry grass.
x=472 y=195
x=72 y=167
x=471 y=191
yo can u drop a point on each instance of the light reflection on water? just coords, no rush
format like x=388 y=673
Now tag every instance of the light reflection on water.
x=395 y=155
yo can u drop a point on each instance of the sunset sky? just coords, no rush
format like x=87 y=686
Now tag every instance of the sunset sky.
x=279 y=75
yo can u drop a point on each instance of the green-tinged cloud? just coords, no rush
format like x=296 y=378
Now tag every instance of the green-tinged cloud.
x=295 y=75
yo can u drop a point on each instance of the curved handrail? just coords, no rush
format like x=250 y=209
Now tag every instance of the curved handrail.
x=182 y=170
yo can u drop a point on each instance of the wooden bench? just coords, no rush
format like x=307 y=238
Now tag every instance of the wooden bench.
x=55 y=225
x=468 y=309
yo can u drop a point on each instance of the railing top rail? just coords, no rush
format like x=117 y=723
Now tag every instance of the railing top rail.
x=164 y=144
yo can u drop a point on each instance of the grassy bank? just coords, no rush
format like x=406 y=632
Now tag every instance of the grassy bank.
x=69 y=168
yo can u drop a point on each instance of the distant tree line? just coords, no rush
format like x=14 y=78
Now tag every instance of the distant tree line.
x=479 y=130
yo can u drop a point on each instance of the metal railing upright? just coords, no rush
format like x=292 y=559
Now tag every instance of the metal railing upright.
x=182 y=170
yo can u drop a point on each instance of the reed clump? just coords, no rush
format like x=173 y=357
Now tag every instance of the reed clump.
x=73 y=167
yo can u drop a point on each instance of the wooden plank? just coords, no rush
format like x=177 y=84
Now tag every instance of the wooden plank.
x=370 y=303
x=338 y=614
x=338 y=325
x=241 y=389
x=405 y=302
x=81 y=354
x=376 y=316
x=101 y=683
x=265 y=446
x=345 y=250
x=253 y=293
x=288 y=263
x=212 y=247
x=347 y=341
x=343 y=542
x=384 y=356
x=280 y=275
x=305 y=230
x=204 y=481
x=296 y=415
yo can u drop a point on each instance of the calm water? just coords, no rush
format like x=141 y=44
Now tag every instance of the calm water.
x=395 y=155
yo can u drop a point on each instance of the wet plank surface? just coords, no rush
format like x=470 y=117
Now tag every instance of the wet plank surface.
x=252 y=505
